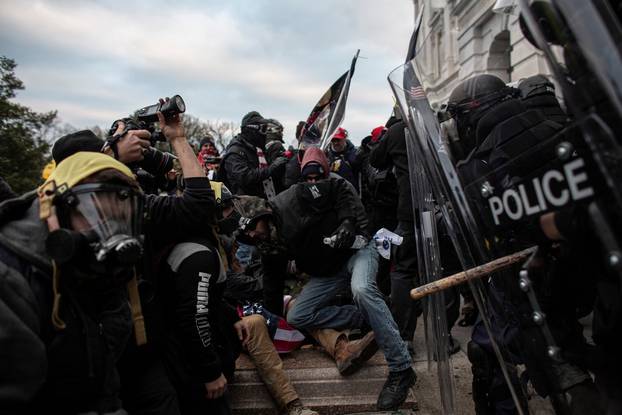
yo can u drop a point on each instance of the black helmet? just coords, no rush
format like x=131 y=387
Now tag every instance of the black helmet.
x=469 y=102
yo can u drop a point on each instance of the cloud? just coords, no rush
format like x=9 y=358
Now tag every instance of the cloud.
x=223 y=56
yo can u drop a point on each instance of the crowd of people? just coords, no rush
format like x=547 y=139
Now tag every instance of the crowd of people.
x=132 y=279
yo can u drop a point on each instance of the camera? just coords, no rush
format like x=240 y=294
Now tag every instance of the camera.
x=155 y=162
x=173 y=106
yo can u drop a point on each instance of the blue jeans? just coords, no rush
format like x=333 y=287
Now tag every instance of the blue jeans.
x=244 y=254
x=310 y=311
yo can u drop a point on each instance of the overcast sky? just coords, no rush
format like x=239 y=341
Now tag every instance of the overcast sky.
x=95 y=61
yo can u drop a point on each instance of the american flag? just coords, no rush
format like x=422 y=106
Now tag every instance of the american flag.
x=417 y=92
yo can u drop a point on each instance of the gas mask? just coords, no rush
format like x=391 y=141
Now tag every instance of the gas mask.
x=100 y=230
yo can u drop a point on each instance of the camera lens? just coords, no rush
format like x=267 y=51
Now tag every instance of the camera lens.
x=156 y=162
x=179 y=102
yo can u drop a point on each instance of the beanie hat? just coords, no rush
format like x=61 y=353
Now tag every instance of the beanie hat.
x=252 y=117
x=69 y=144
x=208 y=139
x=312 y=168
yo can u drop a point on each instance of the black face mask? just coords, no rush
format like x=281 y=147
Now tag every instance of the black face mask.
x=228 y=225
x=255 y=134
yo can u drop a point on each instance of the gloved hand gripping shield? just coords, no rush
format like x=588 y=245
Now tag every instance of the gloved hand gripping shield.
x=491 y=210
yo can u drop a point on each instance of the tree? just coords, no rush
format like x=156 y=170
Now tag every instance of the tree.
x=221 y=131
x=23 y=148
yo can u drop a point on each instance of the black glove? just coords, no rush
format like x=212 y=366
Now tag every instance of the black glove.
x=278 y=165
x=344 y=235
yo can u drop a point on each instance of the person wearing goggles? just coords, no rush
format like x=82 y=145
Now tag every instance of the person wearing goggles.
x=69 y=251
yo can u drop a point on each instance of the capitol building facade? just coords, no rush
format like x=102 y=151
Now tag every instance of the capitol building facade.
x=462 y=38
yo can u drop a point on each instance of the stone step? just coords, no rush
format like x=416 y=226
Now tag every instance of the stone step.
x=318 y=383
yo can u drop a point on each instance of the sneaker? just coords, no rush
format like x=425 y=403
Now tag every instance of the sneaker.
x=296 y=408
x=395 y=389
x=350 y=355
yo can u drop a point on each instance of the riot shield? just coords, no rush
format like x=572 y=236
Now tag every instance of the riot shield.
x=429 y=267
x=492 y=204
x=582 y=42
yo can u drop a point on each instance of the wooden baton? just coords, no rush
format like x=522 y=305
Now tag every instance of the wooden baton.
x=471 y=274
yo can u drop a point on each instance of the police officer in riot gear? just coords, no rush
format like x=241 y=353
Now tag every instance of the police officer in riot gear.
x=492 y=127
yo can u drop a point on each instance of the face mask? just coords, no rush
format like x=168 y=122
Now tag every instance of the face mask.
x=100 y=229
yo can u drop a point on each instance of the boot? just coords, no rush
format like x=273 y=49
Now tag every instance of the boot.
x=350 y=355
x=395 y=389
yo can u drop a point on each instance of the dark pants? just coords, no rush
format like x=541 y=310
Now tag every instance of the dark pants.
x=403 y=279
x=145 y=385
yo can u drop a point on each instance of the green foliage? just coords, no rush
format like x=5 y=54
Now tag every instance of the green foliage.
x=23 y=149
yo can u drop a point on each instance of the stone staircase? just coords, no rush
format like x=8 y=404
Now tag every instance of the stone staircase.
x=318 y=383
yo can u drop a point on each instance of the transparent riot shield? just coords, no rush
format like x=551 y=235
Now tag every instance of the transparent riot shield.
x=429 y=266
x=492 y=205
x=582 y=42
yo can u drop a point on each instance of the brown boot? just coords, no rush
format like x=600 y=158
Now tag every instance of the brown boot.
x=350 y=355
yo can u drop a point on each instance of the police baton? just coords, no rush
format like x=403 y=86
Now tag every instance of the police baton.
x=471 y=274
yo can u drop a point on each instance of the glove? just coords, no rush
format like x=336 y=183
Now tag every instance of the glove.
x=278 y=165
x=344 y=235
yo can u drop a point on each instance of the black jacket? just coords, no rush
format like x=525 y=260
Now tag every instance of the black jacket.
x=306 y=213
x=346 y=164
x=292 y=171
x=240 y=169
x=71 y=370
x=391 y=151
x=201 y=342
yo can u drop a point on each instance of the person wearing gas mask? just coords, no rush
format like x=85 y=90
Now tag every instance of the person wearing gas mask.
x=244 y=168
x=68 y=253
x=488 y=126
x=294 y=225
x=166 y=220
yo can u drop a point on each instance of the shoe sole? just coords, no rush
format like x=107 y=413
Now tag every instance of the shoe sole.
x=356 y=363
x=402 y=400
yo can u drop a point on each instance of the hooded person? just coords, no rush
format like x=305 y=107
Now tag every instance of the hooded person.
x=244 y=169
x=297 y=224
x=67 y=252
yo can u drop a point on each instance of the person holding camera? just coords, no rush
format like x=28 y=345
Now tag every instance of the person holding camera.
x=167 y=220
